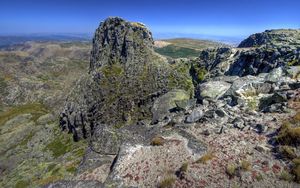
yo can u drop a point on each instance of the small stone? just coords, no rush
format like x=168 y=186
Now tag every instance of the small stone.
x=262 y=148
x=194 y=116
x=238 y=123
x=206 y=132
x=261 y=128
x=185 y=104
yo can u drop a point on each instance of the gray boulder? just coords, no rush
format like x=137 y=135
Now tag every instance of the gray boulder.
x=105 y=140
x=196 y=114
x=162 y=105
x=212 y=89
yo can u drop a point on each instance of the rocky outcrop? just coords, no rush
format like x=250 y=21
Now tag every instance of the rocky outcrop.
x=279 y=37
x=247 y=61
x=125 y=77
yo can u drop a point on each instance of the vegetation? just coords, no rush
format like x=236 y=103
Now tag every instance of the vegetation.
x=194 y=43
x=206 y=157
x=296 y=169
x=293 y=62
x=198 y=72
x=168 y=182
x=35 y=109
x=180 y=77
x=252 y=103
x=177 y=51
x=184 y=167
x=201 y=73
x=286 y=176
x=289 y=133
x=3 y=86
x=245 y=165
x=287 y=152
x=259 y=177
x=289 y=137
x=185 y=48
x=157 y=141
x=231 y=170
x=22 y=184
x=114 y=69
x=57 y=148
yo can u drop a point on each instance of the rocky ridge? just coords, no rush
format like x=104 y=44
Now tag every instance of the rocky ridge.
x=206 y=122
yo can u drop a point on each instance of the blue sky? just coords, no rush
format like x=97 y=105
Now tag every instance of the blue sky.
x=206 y=17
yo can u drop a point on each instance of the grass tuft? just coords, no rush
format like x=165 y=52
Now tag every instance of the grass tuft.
x=157 y=141
x=205 y=158
x=231 y=170
x=245 y=165
x=168 y=182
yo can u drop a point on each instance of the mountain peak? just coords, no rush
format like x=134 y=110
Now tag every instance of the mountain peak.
x=118 y=40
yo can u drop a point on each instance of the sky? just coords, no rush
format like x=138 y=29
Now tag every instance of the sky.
x=164 y=17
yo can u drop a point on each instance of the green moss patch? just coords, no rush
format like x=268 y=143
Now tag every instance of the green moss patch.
x=22 y=184
x=58 y=148
x=3 y=86
x=35 y=109
x=112 y=70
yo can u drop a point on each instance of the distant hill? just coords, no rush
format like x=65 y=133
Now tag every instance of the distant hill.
x=184 y=47
x=20 y=39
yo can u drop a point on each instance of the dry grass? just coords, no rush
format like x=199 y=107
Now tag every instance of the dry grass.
x=231 y=170
x=157 y=141
x=287 y=152
x=296 y=169
x=246 y=165
x=286 y=176
x=289 y=133
x=184 y=167
x=206 y=157
x=167 y=182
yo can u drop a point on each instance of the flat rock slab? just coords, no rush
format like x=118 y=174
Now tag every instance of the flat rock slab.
x=213 y=89
x=145 y=166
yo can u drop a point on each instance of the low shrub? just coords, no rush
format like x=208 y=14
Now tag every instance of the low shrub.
x=157 y=141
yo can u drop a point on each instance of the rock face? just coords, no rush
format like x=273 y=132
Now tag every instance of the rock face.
x=119 y=41
x=272 y=37
x=125 y=77
x=249 y=61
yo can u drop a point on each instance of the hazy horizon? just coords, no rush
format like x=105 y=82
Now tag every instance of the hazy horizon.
x=189 y=18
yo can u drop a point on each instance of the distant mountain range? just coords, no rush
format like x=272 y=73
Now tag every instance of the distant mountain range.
x=231 y=40
x=8 y=40
x=19 y=39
